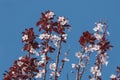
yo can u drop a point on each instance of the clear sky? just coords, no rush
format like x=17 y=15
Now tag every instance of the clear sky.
x=16 y=15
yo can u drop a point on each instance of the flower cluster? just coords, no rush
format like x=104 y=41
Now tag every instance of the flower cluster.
x=52 y=33
x=54 y=38
x=24 y=68
x=104 y=45
x=49 y=14
x=92 y=48
x=40 y=74
x=29 y=39
x=53 y=67
x=62 y=20
x=91 y=43
x=95 y=71
x=46 y=23
x=80 y=56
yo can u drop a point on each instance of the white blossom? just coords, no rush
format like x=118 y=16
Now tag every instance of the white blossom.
x=104 y=59
x=96 y=47
x=62 y=20
x=56 y=44
x=58 y=74
x=44 y=36
x=40 y=73
x=106 y=63
x=95 y=70
x=13 y=72
x=82 y=65
x=55 y=40
x=20 y=58
x=89 y=48
x=25 y=37
x=43 y=57
x=53 y=66
x=92 y=48
x=64 y=36
x=19 y=63
x=66 y=59
x=40 y=63
x=95 y=29
x=45 y=50
x=98 y=73
x=113 y=76
x=98 y=36
x=98 y=27
x=49 y=14
x=73 y=65
x=53 y=73
x=78 y=54
x=32 y=50
x=48 y=26
x=23 y=70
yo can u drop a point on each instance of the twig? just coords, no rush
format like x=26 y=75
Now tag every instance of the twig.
x=57 y=60
x=83 y=70
x=46 y=61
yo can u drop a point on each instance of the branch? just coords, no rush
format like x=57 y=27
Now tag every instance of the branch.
x=57 y=60
x=46 y=61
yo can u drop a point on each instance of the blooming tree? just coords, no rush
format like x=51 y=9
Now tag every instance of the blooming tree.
x=37 y=64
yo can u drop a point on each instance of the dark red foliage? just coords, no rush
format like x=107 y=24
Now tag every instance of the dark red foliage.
x=30 y=33
x=30 y=42
x=27 y=67
x=43 y=22
x=35 y=45
x=104 y=45
x=87 y=37
x=24 y=68
x=27 y=47
x=60 y=28
x=53 y=25
x=51 y=49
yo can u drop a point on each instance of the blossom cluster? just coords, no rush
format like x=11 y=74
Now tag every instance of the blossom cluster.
x=54 y=38
x=104 y=45
x=95 y=71
x=24 y=68
x=49 y=40
x=30 y=44
x=91 y=43
x=52 y=33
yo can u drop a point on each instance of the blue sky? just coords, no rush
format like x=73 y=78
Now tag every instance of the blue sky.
x=16 y=15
